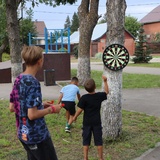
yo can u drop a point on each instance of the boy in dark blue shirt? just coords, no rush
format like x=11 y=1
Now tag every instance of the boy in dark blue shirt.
x=26 y=102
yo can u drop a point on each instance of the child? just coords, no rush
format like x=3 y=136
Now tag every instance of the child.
x=91 y=104
x=26 y=102
x=67 y=96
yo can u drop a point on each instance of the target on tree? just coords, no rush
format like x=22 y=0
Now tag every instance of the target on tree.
x=115 y=57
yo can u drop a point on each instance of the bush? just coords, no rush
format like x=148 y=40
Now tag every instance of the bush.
x=63 y=49
x=142 y=51
x=75 y=51
x=5 y=57
x=99 y=55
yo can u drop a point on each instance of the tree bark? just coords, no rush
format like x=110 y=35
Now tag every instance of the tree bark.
x=3 y=47
x=88 y=17
x=111 y=109
x=14 y=38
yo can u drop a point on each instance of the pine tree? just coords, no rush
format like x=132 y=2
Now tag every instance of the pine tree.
x=142 y=51
x=75 y=22
x=67 y=23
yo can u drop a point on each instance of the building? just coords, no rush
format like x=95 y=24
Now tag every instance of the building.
x=40 y=39
x=98 y=40
x=151 y=23
x=151 y=26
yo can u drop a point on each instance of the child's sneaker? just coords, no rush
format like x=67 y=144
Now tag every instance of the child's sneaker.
x=67 y=129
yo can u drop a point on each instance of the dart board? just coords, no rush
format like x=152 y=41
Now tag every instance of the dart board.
x=115 y=57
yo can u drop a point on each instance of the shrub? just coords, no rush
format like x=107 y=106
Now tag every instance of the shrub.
x=75 y=51
x=99 y=55
x=5 y=57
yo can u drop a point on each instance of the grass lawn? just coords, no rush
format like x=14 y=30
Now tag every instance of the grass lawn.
x=150 y=64
x=140 y=131
x=129 y=80
x=153 y=64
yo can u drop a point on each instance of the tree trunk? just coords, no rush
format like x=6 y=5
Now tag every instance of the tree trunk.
x=111 y=109
x=13 y=36
x=88 y=17
x=3 y=47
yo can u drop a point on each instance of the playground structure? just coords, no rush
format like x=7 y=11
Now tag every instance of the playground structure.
x=56 y=65
x=53 y=40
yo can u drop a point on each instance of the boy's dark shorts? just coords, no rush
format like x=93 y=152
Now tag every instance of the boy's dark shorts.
x=41 y=151
x=70 y=107
x=87 y=135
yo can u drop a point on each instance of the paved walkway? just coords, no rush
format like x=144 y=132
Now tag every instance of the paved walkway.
x=139 y=100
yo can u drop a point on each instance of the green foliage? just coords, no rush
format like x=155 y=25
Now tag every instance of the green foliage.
x=53 y=3
x=3 y=25
x=75 y=51
x=27 y=26
x=132 y=25
x=5 y=57
x=75 y=22
x=103 y=20
x=142 y=51
x=63 y=49
x=67 y=23
x=99 y=55
x=156 y=37
x=58 y=2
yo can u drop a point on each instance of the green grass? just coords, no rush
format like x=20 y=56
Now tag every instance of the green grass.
x=129 y=80
x=156 y=56
x=140 y=132
x=150 y=64
x=153 y=64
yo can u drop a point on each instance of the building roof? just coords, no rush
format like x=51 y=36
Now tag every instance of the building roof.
x=98 y=32
x=153 y=16
x=40 y=25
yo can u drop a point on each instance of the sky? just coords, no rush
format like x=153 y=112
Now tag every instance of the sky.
x=55 y=18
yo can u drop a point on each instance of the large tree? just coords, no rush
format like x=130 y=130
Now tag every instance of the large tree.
x=132 y=25
x=14 y=37
x=88 y=17
x=13 y=29
x=111 y=109
x=26 y=25
x=3 y=33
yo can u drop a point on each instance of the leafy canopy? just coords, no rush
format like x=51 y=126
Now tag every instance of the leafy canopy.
x=132 y=25
x=51 y=2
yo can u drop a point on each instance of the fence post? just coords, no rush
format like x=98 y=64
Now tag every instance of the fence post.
x=29 y=37
x=46 y=40
x=69 y=50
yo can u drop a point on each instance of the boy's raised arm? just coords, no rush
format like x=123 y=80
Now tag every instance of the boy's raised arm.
x=106 y=89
